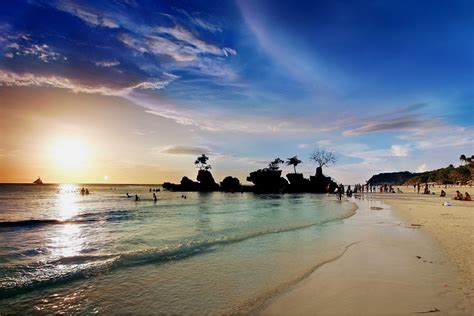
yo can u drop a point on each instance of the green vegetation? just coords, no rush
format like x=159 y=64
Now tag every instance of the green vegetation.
x=449 y=175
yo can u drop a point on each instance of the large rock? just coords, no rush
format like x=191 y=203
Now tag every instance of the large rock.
x=298 y=183
x=320 y=183
x=268 y=181
x=206 y=181
x=231 y=184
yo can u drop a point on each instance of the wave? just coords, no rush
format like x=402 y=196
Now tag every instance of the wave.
x=114 y=215
x=39 y=222
x=68 y=269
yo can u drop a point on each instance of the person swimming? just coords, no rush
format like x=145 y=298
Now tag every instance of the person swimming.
x=154 y=197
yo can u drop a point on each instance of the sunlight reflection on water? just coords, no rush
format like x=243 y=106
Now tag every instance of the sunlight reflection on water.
x=67 y=200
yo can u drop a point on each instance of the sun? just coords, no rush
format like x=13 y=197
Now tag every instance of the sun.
x=69 y=153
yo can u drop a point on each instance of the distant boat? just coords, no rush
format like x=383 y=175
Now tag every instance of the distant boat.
x=38 y=181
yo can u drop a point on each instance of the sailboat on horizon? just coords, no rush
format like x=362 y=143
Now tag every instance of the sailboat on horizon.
x=38 y=181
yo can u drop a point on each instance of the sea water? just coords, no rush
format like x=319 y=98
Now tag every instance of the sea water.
x=208 y=253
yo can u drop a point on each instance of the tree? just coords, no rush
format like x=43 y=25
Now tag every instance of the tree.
x=293 y=161
x=275 y=164
x=201 y=162
x=462 y=158
x=323 y=157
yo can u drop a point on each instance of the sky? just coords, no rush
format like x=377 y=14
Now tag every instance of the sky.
x=129 y=91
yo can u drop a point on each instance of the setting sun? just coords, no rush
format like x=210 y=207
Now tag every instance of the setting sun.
x=69 y=153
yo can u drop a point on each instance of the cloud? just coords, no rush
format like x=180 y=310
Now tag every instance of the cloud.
x=175 y=42
x=30 y=80
x=42 y=51
x=107 y=64
x=406 y=118
x=198 y=20
x=384 y=126
x=421 y=168
x=186 y=150
x=87 y=14
x=400 y=150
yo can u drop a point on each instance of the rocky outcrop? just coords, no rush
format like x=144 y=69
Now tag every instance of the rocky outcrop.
x=268 y=181
x=231 y=184
x=206 y=181
x=320 y=183
x=298 y=183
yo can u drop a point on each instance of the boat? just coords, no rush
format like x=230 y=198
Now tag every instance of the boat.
x=38 y=181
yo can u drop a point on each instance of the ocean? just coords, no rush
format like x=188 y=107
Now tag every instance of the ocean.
x=208 y=253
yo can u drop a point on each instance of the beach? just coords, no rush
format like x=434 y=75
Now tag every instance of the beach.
x=413 y=255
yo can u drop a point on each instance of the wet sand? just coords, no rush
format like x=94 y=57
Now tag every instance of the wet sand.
x=393 y=269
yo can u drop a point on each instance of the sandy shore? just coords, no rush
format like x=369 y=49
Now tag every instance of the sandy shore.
x=394 y=268
x=451 y=226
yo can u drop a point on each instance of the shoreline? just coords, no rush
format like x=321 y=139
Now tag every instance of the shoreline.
x=394 y=269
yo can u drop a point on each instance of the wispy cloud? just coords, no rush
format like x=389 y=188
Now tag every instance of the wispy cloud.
x=42 y=51
x=186 y=150
x=107 y=63
x=199 y=20
x=87 y=14
x=175 y=42
x=31 y=80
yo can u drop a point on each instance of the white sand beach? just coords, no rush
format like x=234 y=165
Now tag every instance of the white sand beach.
x=395 y=268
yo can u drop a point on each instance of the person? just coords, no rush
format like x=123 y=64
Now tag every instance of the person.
x=467 y=197
x=459 y=196
x=87 y=191
x=137 y=198
x=418 y=188
x=128 y=195
x=154 y=197
x=83 y=191
x=443 y=193
x=426 y=190
x=399 y=191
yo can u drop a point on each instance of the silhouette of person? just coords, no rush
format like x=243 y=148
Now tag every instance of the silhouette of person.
x=137 y=198
x=154 y=197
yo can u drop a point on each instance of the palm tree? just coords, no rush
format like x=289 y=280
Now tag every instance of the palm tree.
x=462 y=158
x=293 y=161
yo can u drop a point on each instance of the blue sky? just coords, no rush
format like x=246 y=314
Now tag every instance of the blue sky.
x=388 y=85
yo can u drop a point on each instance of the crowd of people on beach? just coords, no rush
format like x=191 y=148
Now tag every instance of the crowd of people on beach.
x=387 y=188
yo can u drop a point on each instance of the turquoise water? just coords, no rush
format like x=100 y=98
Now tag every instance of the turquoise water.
x=214 y=253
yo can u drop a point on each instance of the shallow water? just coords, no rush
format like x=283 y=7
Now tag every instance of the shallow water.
x=213 y=253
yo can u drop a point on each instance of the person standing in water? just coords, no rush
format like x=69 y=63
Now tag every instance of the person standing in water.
x=137 y=198
x=154 y=197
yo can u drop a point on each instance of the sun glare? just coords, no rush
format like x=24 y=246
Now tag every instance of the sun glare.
x=69 y=153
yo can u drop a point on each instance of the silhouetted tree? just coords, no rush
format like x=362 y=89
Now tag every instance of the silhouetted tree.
x=323 y=157
x=293 y=161
x=201 y=162
x=275 y=164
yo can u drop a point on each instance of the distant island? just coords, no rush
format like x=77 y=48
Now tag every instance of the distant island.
x=461 y=175
x=266 y=180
